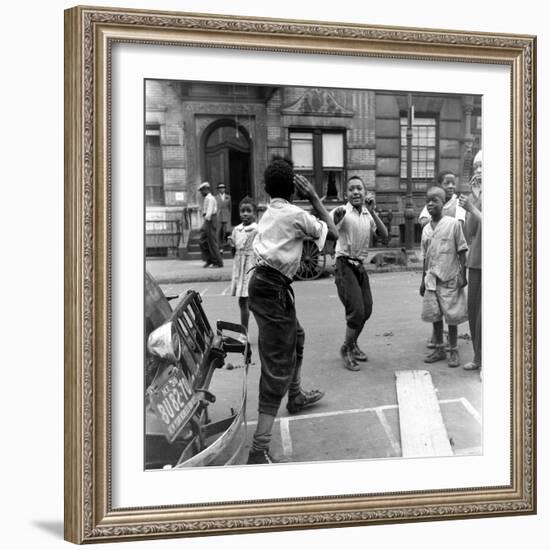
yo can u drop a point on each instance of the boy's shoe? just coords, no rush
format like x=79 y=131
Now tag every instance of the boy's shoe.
x=454 y=360
x=207 y=264
x=260 y=457
x=304 y=399
x=438 y=354
x=471 y=365
x=348 y=359
x=358 y=354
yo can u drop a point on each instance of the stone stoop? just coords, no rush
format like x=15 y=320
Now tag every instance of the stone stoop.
x=193 y=251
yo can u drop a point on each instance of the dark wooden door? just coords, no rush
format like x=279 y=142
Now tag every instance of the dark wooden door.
x=217 y=167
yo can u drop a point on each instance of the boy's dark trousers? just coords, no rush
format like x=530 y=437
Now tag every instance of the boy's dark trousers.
x=208 y=241
x=280 y=337
x=352 y=284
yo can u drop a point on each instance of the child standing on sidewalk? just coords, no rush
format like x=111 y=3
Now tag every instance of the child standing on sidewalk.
x=278 y=249
x=356 y=221
x=241 y=240
x=444 y=278
x=447 y=181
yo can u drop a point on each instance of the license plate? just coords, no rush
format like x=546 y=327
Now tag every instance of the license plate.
x=173 y=401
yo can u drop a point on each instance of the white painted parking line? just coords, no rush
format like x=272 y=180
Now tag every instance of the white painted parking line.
x=387 y=428
x=363 y=410
x=470 y=408
x=226 y=290
x=286 y=439
x=339 y=413
x=203 y=291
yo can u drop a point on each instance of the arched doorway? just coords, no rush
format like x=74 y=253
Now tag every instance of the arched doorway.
x=226 y=156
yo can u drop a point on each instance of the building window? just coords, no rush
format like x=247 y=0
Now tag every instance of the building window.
x=423 y=148
x=154 y=190
x=318 y=154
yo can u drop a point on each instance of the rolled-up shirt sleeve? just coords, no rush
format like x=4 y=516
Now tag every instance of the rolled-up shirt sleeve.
x=309 y=226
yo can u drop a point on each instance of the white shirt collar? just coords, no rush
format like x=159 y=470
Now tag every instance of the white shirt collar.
x=278 y=200
x=349 y=208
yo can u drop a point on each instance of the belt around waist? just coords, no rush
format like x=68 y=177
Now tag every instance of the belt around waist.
x=272 y=274
x=356 y=262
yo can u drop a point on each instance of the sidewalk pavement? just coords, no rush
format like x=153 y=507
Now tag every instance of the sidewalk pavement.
x=173 y=271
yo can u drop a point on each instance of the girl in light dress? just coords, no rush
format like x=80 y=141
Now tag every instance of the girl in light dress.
x=241 y=240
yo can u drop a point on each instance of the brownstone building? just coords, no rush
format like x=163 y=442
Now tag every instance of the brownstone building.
x=197 y=132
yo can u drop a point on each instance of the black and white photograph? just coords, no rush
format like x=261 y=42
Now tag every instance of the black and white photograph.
x=312 y=277
x=273 y=259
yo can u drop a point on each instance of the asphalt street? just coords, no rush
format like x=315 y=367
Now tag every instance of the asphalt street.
x=358 y=417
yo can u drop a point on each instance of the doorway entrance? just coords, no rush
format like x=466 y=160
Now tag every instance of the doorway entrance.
x=227 y=159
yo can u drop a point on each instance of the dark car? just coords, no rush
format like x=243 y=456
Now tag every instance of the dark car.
x=195 y=401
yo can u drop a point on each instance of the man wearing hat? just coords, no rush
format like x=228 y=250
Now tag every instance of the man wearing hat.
x=224 y=213
x=208 y=239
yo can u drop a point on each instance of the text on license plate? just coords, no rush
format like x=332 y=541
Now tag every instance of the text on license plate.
x=174 y=403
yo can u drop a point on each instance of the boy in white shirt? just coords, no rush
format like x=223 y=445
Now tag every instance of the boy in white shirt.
x=278 y=249
x=358 y=220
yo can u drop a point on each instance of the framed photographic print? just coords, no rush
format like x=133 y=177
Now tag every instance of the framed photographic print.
x=221 y=379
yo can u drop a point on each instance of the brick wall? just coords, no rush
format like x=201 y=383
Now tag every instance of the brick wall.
x=163 y=108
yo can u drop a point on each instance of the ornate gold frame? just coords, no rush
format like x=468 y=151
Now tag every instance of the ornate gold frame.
x=89 y=34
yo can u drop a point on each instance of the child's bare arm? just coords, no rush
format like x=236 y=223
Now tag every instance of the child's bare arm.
x=463 y=281
x=422 y=282
x=306 y=190
x=381 y=228
x=468 y=205
x=423 y=245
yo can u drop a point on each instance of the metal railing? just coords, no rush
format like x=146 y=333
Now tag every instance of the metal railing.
x=162 y=236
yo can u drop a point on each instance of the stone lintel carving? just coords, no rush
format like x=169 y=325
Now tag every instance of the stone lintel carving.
x=317 y=102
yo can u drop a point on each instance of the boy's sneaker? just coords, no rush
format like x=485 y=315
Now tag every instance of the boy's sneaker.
x=304 y=399
x=260 y=457
x=454 y=360
x=348 y=359
x=358 y=354
x=438 y=354
x=471 y=365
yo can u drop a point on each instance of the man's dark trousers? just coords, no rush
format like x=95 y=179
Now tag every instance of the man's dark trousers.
x=208 y=242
